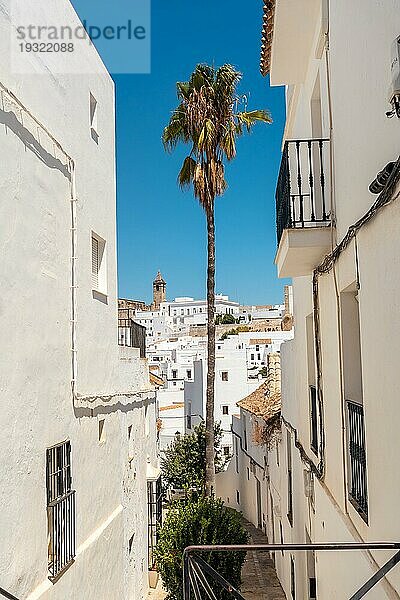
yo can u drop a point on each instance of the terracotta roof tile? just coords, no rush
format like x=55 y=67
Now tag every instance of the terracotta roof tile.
x=267 y=35
x=156 y=379
x=265 y=401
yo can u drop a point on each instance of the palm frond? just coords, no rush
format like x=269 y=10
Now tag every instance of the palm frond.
x=226 y=79
x=176 y=130
x=186 y=174
x=202 y=75
x=228 y=140
x=249 y=118
x=209 y=119
x=183 y=89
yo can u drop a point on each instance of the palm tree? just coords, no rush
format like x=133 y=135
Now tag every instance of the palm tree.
x=208 y=118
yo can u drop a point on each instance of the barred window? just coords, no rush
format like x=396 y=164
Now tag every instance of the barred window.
x=60 y=508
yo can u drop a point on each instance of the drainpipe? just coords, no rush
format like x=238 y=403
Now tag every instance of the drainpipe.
x=73 y=202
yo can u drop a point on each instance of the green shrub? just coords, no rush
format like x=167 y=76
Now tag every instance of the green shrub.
x=183 y=463
x=228 y=320
x=197 y=522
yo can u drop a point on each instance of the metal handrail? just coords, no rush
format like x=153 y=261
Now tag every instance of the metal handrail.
x=7 y=595
x=192 y=563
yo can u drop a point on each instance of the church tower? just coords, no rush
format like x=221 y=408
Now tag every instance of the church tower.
x=159 y=291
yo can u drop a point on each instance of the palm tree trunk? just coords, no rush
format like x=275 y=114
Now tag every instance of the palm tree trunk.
x=210 y=456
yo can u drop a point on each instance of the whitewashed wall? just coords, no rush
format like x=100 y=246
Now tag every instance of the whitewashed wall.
x=363 y=140
x=37 y=407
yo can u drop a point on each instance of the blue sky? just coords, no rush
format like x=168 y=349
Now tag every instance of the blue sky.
x=161 y=227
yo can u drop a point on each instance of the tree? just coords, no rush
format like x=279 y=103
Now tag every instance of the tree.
x=228 y=320
x=183 y=464
x=201 y=521
x=208 y=119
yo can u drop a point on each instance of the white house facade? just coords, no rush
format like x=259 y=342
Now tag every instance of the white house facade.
x=337 y=222
x=78 y=441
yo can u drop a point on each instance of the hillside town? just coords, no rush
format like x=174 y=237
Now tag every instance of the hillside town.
x=157 y=447
x=176 y=348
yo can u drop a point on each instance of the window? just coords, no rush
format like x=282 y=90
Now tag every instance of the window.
x=311 y=365
x=154 y=505
x=313 y=419
x=252 y=357
x=60 y=508
x=225 y=410
x=99 y=270
x=130 y=543
x=93 y=119
x=189 y=415
x=237 y=497
x=226 y=451
x=353 y=388
x=224 y=375
x=174 y=374
x=189 y=374
x=101 y=431
x=258 y=356
x=292 y=578
x=236 y=441
x=312 y=581
x=257 y=348
x=289 y=477
x=248 y=474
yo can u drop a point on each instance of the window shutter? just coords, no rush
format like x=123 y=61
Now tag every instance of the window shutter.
x=95 y=263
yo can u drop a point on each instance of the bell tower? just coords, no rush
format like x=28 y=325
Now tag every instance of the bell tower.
x=159 y=291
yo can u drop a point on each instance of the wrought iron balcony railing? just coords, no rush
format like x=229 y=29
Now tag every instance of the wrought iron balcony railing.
x=132 y=334
x=358 y=459
x=302 y=198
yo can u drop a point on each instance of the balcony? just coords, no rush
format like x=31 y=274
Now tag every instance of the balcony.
x=303 y=207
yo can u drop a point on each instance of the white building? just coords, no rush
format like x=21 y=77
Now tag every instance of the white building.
x=164 y=320
x=240 y=363
x=78 y=447
x=251 y=482
x=236 y=377
x=338 y=472
x=174 y=362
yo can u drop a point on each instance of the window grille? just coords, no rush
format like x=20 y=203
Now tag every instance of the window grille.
x=61 y=514
x=358 y=460
x=154 y=503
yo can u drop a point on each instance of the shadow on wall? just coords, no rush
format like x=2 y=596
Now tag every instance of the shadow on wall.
x=11 y=122
x=112 y=408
